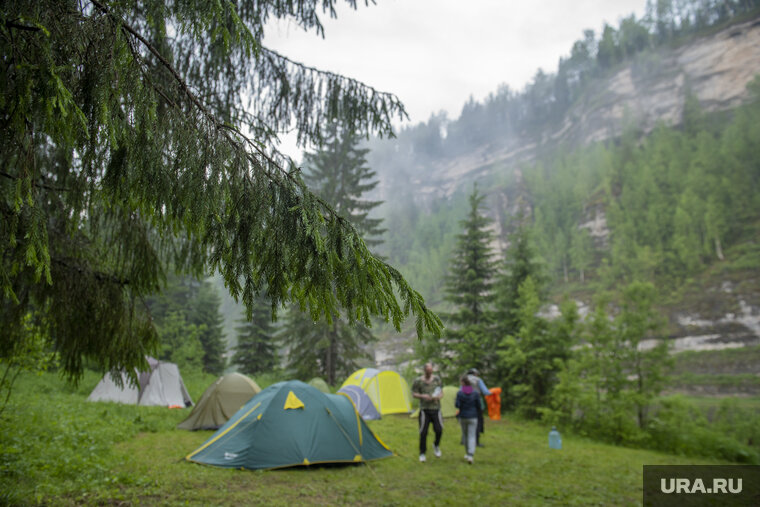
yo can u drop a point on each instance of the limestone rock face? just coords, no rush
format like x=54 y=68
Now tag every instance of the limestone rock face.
x=645 y=92
x=651 y=89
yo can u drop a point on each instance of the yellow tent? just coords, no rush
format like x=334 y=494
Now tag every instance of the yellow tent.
x=387 y=389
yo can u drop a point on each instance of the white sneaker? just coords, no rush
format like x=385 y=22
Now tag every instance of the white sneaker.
x=468 y=458
x=437 y=451
x=422 y=458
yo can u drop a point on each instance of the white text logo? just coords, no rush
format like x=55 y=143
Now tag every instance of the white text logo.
x=698 y=486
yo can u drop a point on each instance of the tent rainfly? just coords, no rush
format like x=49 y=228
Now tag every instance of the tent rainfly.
x=161 y=385
x=220 y=401
x=291 y=424
x=361 y=400
x=387 y=389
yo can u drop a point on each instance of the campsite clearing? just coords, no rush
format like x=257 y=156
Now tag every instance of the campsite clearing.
x=91 y=453
x=515 y=467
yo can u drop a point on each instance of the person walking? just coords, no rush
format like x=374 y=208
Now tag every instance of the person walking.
x=481 y=390
x=428 y=388
x=467 y=402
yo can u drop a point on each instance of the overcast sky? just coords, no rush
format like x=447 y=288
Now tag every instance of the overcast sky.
x=434 y=54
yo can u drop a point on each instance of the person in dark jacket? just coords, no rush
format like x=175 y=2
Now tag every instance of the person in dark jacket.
x=480 y=388
x=467 y=402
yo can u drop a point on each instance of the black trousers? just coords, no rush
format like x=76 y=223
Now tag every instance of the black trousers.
x=480 y=423
x=427 y=417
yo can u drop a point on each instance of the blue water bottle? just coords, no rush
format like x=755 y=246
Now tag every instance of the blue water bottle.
x=555 y=441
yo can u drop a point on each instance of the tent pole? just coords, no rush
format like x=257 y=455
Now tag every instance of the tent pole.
x=358 y=452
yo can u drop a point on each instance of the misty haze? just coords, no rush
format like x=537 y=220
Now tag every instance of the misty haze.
x=345 y=244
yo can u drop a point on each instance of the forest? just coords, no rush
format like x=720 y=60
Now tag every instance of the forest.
x=146 y=211
x=672 y=198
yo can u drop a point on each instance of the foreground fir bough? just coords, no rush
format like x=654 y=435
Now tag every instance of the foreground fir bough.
x=142 y=135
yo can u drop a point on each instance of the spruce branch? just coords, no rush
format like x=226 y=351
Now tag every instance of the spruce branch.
x=38 y=185
x=294 y=191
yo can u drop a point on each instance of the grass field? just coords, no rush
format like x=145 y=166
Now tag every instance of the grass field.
x=58 y=449
x=515 y=467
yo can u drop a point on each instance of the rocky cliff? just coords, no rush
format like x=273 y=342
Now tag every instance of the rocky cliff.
x=644 y=92
x=721 y=312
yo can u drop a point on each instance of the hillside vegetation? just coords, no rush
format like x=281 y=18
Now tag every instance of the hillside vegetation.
x=636 y=240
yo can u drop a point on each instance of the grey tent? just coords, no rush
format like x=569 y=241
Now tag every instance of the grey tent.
x=220 y=401
x=362 y=402
x=161 y=385
x=107 y=390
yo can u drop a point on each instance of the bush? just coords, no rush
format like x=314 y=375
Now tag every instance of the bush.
x=741 y=423
x=680 y=428
x=677 y=426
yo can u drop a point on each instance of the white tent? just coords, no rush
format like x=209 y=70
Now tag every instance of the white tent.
x=107 y=390
x=161 y=386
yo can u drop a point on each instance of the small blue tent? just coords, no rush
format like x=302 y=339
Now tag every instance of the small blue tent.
x=361 y=400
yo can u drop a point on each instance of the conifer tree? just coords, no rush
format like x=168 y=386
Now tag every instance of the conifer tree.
x=339 y=174
x=639 y=321
x=180 y=341
x=613 y=377
x=529 y=358
x=468 y=336
x=256 y=350
x=124 y=149
x=330 y=350
x=581 y=251
x=206 y=312
x=520 y=262
x=190 y=302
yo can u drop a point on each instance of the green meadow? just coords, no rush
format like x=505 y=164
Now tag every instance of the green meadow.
x=58 y=449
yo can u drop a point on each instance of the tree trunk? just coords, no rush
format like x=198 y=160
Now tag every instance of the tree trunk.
x=640 y=382
x=330 y=364
x=718 y=249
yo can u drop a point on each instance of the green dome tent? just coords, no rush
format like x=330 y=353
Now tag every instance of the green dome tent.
x=220 y=401
x=320 y=384
x=289 y=424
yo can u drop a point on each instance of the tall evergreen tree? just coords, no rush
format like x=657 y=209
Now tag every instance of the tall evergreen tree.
x=527 y=357
x=123 y=150
x=330 y=350
x=520 y=262
x=468 y=336
x=339 y=174
x=256 y=350
x=187 y=301
x=180 y=341
x=206 y=312
x=639 y=321
x=581 y=251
